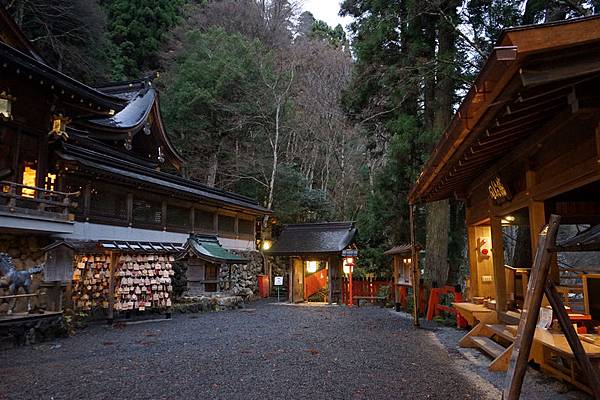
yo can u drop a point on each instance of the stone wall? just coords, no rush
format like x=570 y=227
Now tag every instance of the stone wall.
x=26 y=253
x=243 y=281
x=280 y=266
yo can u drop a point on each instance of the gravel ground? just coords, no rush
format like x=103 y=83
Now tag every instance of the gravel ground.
x=268 y=351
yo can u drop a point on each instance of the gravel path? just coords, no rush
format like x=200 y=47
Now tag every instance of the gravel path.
x=268 y=351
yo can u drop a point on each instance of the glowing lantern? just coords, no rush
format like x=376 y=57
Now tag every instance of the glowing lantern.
x=311 y=267
x=266 y=244
x=59 y=126
x=348 y=265
x=6 y=101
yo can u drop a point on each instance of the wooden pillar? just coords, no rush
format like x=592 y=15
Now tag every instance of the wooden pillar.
x=537 y=221
x=330 y=280
x=472 y=252
x=414 y=266
x=498 y=263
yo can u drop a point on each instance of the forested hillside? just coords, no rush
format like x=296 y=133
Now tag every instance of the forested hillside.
x=317 y=122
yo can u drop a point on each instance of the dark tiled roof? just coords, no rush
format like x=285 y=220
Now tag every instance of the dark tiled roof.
x=401 y=249
x=327 y=237
x=141 y=175
x=15 y=59
x=133 y=115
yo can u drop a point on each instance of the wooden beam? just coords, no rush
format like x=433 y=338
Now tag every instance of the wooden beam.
x=525 y=150
x=498 y=263
x=531 y=310
x=573 y=339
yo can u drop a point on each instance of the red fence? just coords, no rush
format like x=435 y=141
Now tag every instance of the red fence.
x=364 y=287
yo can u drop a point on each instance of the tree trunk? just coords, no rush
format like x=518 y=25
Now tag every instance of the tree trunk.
x=438 y=213
x=211 y=177
x=275 y=147
x=436 y=258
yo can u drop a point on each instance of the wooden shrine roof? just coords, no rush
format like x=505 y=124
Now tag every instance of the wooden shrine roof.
x=115 y=167
x=536 y=77
x=208 y=248
x=319 y=238
x=404 y=249
x=119 y=246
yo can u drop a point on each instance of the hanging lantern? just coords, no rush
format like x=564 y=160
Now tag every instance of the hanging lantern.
x=6 y=101
x=59 y=126
x=311 y=267
x=161 y=155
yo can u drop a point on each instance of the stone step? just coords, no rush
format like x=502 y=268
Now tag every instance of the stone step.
x=501 y=331
x=488 y=345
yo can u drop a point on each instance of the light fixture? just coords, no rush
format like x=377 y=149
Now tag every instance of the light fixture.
x=348 y=265
x=311 y=267
x=510 y=218
x=161 y=155
x=6 y=101
x=266 y=244
x=59 y=126
x=147 y=130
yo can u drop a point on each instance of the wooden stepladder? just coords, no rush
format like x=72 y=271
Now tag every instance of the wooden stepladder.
x=538 y=286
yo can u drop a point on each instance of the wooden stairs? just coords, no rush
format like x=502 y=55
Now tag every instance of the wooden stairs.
x=492 y=339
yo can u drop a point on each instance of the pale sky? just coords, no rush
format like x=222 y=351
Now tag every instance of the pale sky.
x=326 y=10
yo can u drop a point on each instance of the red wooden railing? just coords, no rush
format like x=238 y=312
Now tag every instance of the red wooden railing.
x=364 y=287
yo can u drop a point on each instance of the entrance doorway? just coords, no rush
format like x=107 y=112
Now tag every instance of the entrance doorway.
x=297 y=280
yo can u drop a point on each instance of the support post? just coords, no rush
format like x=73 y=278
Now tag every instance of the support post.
x=498 y=263
x=414 y=266
x=531 y=310
x=330 y=280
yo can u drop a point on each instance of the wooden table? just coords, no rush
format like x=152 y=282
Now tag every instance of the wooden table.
x=552 y=352
x=473 y=312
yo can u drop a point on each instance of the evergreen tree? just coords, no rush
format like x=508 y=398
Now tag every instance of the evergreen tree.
x=137 y=28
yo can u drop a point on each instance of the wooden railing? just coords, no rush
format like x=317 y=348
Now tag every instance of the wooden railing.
x=16 y=197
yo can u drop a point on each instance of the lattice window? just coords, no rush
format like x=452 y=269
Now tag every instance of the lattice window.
x=178 y=216
x=226 y=224
x=147 y=212
x=108 y=202
x=204 y=220
x=245 y=226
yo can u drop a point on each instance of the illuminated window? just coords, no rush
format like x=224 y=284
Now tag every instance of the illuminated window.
x=29 y=179
x=50 y=181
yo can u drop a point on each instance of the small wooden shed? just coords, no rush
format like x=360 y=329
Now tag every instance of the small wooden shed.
x=402 y=263
x=205 y=257
x=311 y=249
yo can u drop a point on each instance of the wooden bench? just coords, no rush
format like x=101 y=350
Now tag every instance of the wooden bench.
x=378 y=299
x=552 y=352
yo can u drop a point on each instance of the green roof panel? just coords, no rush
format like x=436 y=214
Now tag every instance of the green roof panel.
x=207 y=247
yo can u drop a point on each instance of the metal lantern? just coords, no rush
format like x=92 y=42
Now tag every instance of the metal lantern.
x=6 y=101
